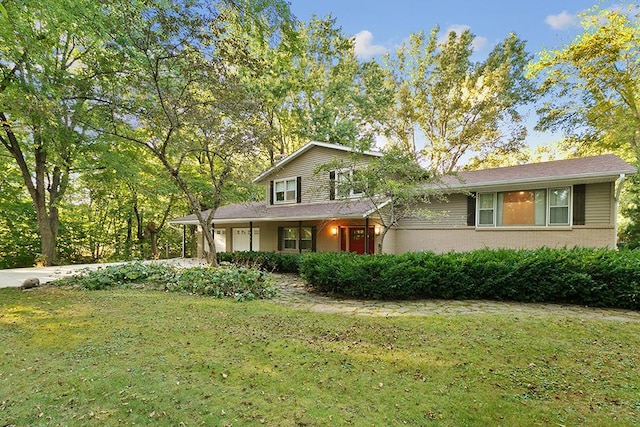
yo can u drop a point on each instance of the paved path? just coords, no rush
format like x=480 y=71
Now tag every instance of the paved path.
x=294 y=293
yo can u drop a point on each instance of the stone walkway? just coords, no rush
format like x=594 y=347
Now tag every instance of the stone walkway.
x=294 y=293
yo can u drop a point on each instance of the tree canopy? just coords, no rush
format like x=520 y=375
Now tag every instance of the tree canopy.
x=448 y=106
x=592 y=85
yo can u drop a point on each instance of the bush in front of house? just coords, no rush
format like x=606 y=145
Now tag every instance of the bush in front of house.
x=265 y=261
x=593 y=277
x=240 y=283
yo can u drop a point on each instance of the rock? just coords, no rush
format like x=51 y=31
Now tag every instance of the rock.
x=34 y=282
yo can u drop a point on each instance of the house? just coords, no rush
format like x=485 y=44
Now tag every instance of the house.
x=561 y=203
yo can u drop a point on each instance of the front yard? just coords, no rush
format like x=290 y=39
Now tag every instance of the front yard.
x=134 y=356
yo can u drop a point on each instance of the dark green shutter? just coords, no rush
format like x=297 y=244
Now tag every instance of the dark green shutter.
x=270 y=192
x=579 y=192
x=471 y=210
x=332 y=185
x=298 y=190
x=280 y=237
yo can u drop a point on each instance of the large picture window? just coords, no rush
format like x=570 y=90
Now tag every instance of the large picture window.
x=543 y=207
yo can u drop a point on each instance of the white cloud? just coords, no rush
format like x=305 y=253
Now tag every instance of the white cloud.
x=562 y=21
x=364 y=46
x=478 y=42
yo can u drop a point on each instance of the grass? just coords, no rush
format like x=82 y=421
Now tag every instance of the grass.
x=139 y=357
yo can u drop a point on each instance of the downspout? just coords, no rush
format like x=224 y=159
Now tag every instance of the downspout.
x=616 y=200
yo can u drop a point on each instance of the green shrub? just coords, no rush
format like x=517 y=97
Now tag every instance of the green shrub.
x=594 y=277
x=222 y=282
x=266 y=261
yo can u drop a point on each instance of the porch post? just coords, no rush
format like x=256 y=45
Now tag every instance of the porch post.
x=366 y=235
x=250 y=236
x=184 y=237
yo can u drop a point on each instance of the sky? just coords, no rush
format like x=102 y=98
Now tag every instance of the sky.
x=381 y=25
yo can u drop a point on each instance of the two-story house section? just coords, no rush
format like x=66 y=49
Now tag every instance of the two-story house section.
x=563 y=203
x=303 y=209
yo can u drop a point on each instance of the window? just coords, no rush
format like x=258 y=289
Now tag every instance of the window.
x=288 y=238
x=542 y=207
x=485 y=209
x=285 y=190
x=559 y=206
x=348 y=183
x=522 y=207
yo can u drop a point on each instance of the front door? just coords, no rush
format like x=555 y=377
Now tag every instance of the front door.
x=353 y=239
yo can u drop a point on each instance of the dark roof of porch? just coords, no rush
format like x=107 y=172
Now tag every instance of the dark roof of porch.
x=260 y=211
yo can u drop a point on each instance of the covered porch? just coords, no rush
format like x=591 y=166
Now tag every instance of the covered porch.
x=347 y=226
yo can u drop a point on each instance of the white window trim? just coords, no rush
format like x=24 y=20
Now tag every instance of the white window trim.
x=494 y=209
x=297 y=239
x=569 y=208
x=548 y=224
x=285 y=201
x=336 y=186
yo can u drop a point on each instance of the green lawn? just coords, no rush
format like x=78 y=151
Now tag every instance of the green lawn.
x=139 y=357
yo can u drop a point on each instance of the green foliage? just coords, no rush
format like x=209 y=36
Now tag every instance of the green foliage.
x=593 y=277
x=223 y=282
x=459 y=107
x=18 y=224
x=593 y=84
x=265 y=261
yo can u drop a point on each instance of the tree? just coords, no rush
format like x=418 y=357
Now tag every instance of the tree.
x=45 y=59
x=179 y=95
x=395 y=184
x=592 y=84
x=314 y=88
x=459 y=107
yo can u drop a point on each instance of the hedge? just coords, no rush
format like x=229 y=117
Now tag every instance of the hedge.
x=266 y=261
x=592 y=277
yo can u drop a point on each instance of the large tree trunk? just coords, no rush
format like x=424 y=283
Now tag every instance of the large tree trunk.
x=53 y=185
x=153 y=239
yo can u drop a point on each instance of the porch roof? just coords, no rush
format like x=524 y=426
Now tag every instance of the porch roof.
x=261 y=211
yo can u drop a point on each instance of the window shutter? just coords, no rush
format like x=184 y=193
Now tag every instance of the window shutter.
x=471 y=210
x=298 y=190
x=579 y=192
x=332 y=185
x=280 y=236
x=313 y=239
x=270 y=192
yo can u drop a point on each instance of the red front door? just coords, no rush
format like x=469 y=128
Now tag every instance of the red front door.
x=353 y=239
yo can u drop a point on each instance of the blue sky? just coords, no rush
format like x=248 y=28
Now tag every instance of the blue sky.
x=381 y=25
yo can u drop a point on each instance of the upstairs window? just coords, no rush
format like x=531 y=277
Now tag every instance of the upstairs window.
x=285 y=190
x=348 y=183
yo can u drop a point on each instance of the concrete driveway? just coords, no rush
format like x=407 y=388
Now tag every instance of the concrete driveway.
x=14 y=277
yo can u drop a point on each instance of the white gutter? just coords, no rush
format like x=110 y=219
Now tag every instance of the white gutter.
x=616 y=200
